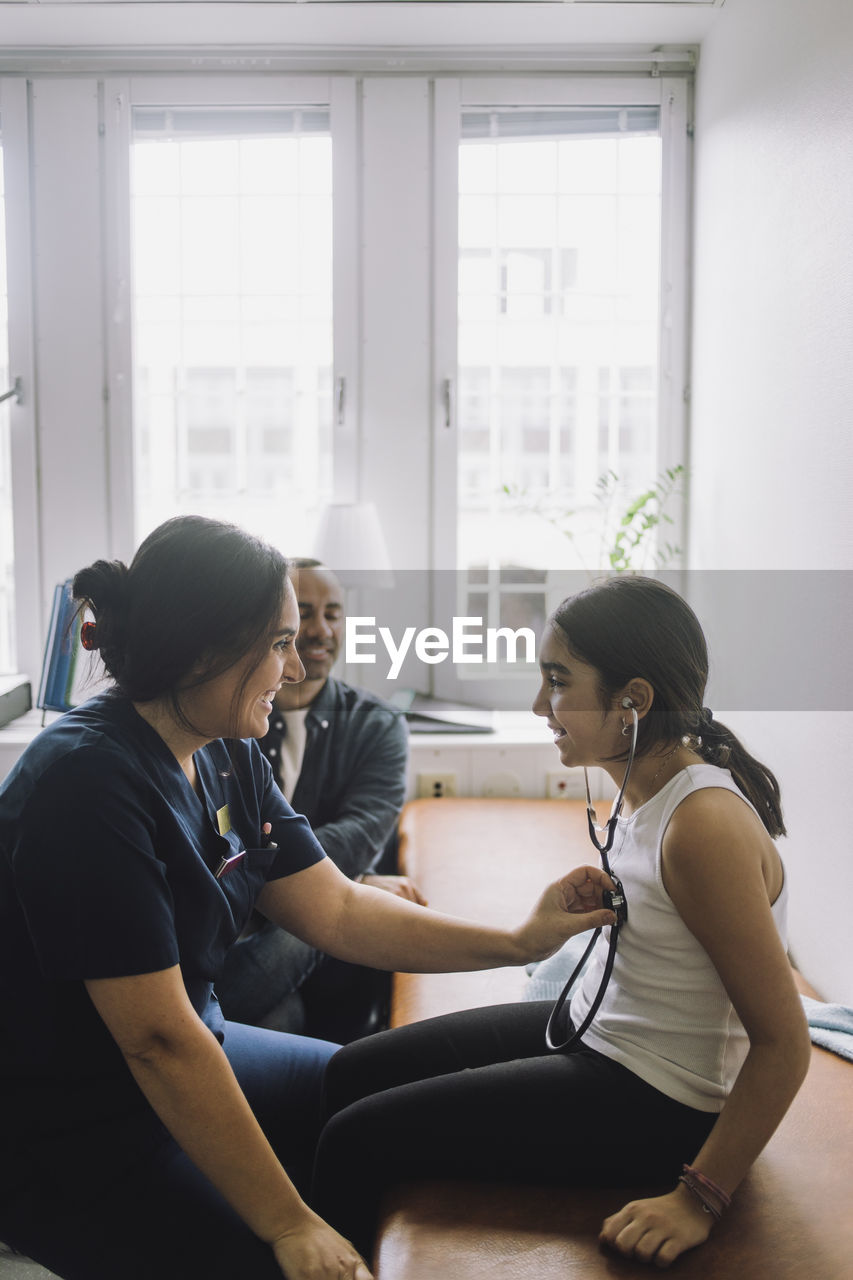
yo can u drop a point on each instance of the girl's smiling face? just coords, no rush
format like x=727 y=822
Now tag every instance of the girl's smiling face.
x=569 y=698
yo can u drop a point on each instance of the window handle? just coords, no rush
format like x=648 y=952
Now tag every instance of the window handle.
x=447 y=401
x=340 y=400
x=16 y=390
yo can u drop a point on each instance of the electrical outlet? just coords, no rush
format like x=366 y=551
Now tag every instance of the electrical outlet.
x=564 y=784
x=434 y=786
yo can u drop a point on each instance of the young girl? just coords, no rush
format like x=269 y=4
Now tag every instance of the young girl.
x=700 y=1042
x=143 y=1135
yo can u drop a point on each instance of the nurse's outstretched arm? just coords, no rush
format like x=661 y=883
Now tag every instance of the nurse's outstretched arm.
x=363 y=925
x=181 y=1068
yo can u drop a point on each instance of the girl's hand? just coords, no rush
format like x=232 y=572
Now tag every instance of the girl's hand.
x=314 y=1251
x=658 y=1230
x=567 y=907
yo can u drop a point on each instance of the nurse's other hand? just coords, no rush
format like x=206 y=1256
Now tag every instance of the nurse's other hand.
x=314 y=1251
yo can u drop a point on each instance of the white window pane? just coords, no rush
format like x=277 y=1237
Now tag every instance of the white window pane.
x=526 y=167
x=589 y=166
x=315 y=166
x=315 y=232
x=478 y=169
x=588 y=224
x=269 y=166
x=640 y=166
x=639 y=239
x=210 y=332
x=157 y=253
x=269 y=244
x=210 y=258
x=156 y=169
x=270 y=329
x=157 y=331
x=526 y=219
x=478 y=221
x=233 y=323
x=559 y=265
x=210 y=167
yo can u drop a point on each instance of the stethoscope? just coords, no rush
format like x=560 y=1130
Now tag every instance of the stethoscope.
x=614 y=899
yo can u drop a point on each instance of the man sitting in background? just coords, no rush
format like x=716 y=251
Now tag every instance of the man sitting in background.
x=339 y=755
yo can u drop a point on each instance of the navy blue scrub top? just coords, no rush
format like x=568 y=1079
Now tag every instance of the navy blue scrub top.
x=107 y=869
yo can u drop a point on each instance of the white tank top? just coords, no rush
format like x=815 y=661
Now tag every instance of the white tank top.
x=666 y=1014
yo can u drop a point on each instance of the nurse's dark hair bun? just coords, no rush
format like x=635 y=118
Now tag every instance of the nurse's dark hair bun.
x=102 y=589
x=102 y=585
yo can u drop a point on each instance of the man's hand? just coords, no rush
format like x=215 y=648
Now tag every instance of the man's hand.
x=401 y=886
x=658 y=1230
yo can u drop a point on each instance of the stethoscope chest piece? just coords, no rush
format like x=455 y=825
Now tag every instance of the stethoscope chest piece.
x=615 y=900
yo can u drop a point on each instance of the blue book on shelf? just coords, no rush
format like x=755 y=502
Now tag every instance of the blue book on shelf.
x=61 y=653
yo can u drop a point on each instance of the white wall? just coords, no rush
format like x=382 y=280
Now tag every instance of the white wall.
x=772 y=446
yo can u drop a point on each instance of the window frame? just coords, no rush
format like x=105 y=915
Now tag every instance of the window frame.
x=30 y=616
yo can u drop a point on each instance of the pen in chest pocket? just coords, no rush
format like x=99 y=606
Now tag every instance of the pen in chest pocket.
x=225 y=864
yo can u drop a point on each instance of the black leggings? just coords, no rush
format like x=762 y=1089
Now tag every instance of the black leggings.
x=477 y=1095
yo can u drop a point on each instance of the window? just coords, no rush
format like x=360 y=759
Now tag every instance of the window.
x=232 y=257
x=559 y=293
x=7 y=564
x=267 y=291
x=569 y=341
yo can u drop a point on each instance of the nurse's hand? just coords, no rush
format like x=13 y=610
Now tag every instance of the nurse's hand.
x=314 y=1251
x=567 y=907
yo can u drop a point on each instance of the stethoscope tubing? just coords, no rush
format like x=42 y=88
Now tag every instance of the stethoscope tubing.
x=577 y=1034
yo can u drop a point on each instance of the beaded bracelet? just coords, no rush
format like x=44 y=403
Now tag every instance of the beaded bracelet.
x=712 y=1198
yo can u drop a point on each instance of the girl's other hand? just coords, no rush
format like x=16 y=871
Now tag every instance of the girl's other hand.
x=659 y=1229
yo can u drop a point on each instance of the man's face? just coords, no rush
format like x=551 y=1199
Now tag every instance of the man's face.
x=321 y=620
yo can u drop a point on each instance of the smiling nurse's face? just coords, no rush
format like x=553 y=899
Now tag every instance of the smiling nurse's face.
x=212 y=705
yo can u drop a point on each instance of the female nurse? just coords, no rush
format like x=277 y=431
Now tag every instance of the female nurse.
x=144 y=1135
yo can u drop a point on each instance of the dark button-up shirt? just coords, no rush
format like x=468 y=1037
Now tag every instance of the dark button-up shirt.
x=352 y=782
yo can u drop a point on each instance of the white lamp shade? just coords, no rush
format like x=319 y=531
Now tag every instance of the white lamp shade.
x=349 y=540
